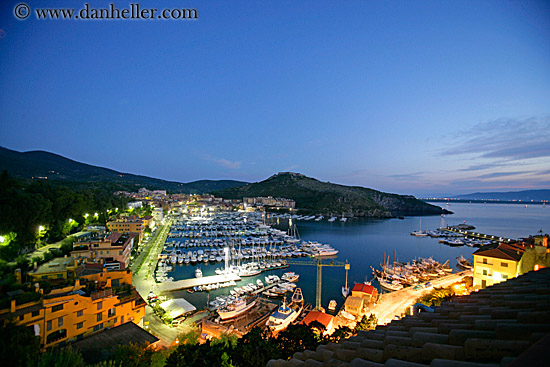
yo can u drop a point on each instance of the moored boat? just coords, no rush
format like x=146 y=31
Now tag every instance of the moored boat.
x=238 y=307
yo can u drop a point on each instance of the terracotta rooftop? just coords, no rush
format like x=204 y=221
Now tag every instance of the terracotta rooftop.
x=318 y=316
x=502 y=251
x=365 y=288
x=507 y=324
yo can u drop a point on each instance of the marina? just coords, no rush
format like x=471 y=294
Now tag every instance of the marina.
x=261 y=252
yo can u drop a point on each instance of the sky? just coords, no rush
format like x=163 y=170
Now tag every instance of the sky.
x=430 y=98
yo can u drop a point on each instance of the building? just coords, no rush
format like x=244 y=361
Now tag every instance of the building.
x=95 y=302
x=130 y=224
x=116 y=247
x=365 y=291
x=60 y=268
x=354 y=305
x=495 y=263
x=158 y=215
x=148 y=221
x=269 y=201
x=323 y=318
x=536 y=255
x=101 y=346
x=135 y=204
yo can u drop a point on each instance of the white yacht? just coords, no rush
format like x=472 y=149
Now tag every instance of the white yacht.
x=236 y=308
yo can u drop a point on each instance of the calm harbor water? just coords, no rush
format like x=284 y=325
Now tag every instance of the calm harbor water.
x=363 y=242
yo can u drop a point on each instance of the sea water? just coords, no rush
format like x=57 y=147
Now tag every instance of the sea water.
x=365 y=243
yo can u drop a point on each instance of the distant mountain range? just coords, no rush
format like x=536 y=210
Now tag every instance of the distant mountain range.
x=57 y=169
x=526 y=195
x=316 y=197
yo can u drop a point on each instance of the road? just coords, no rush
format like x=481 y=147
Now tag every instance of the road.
x=394 y=303
x=143 y=270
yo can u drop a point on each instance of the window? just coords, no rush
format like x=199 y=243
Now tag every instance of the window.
x=111 y=312
x=115 y=282
x=99 y=316
x=57 y=308
x=96 y=244
x=60 y=275
x=504 y=265
x=35 y=313
x=100 y=305
x=79 y=325
x=485 y=261
x=504 y=276
x=485 y=272
x=98 y=327
x=21 y=317
x=79 y=337
x=60 y=322
x=79 y=313
x=49 y=325
x=122 y=319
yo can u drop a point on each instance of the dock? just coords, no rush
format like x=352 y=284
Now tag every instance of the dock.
x=194 y=282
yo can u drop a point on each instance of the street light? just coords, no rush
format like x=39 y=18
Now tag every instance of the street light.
x=2 y=239
x=40 y=228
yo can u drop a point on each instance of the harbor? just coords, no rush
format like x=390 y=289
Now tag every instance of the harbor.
x=259 y=254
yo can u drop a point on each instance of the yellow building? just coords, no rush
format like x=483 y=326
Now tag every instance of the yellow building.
x=127 y=225
x=72 y=313
x=494 y=264
x=353 y=305
x=58 y=268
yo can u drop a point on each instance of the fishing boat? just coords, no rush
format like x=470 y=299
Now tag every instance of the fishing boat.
x=332 y=305
x=463 y=263
x=198 y=273
x=281 y=318
x=238 y=307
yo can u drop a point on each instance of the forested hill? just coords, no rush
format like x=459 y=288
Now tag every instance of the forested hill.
x=325 y=198
x=55 y=168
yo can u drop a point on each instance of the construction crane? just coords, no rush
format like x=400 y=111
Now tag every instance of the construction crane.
x=319 y=264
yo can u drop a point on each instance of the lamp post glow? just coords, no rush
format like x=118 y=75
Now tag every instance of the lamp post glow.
x=95 y=214
x=2 y=239
x=86 y=215
x=40 y=228
x=70 y=220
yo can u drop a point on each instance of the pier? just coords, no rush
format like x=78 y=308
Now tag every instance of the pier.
x=190 y=283
x=481 y=236
x=394 y=303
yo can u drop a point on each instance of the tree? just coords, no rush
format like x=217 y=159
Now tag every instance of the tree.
x=18 y=345
x=367 y=323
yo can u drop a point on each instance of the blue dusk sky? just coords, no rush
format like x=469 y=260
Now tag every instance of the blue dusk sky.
x=413 y=97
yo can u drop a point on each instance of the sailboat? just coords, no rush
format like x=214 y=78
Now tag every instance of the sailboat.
x=419 y=233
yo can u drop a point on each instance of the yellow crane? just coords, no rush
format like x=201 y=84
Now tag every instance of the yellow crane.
x=319 y=264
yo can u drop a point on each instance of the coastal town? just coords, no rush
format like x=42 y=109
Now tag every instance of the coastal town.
x=222 y=266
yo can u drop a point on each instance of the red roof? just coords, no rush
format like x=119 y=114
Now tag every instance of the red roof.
x=323 y=318
x=113 y=237
x=503 y=251
x=365 y=288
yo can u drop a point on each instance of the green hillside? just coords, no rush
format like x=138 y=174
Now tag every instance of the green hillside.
x=316 y=197
x=61 y=170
